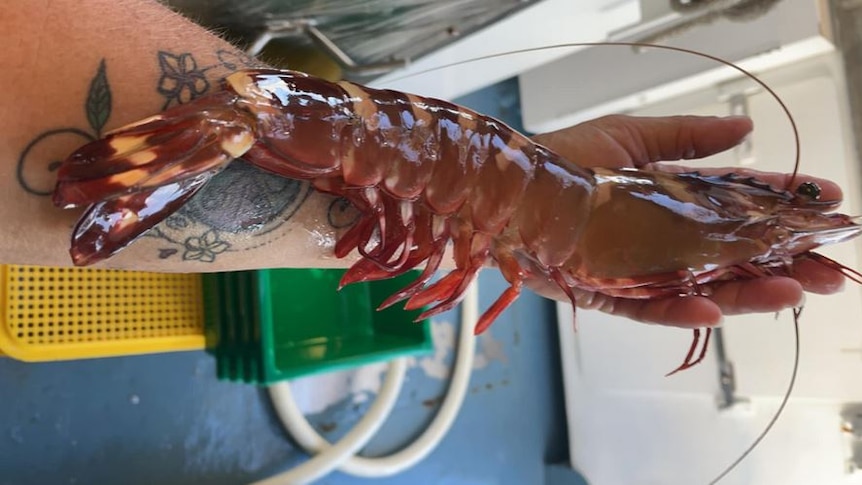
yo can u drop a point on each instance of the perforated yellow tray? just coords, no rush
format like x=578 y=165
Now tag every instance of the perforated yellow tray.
x=75 y=313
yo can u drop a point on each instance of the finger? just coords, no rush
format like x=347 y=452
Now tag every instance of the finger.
x=817 y=278
x=675 y=137
x=762 y=295
x=829 y=190
x=685 y=312
x=768 y=294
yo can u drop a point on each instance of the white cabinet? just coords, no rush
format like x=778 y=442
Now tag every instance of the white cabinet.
x=601 y=80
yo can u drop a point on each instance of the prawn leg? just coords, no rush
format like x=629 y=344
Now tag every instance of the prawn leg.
x=688 y=363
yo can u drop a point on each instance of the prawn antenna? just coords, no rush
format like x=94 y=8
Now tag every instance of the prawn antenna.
x=568 y=45
x=771 y=424
x=852 y=274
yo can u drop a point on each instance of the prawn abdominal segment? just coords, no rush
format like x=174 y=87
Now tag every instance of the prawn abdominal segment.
x=425 y=173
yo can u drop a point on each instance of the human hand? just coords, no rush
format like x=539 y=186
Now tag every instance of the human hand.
x=625 y=141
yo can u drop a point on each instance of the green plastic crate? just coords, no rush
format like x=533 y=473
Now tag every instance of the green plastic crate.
x=265 y=326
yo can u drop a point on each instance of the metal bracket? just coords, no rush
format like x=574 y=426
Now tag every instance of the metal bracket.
x=744 y=151
x=726 y=375
x=276 y=29
x=851 y=416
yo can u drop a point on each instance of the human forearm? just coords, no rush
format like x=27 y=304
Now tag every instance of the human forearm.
x=74 y=70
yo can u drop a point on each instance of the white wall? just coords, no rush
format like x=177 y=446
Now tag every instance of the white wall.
x=548 y=22
x=596 y=81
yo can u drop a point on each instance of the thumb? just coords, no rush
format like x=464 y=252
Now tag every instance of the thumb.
x=675 y=137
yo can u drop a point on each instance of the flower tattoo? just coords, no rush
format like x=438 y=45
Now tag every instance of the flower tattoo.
x=205 y=248
x=182 y=80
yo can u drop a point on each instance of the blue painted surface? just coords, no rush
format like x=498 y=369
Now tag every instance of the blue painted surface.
x=166 y=419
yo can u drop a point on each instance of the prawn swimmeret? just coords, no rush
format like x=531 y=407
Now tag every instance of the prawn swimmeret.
x=424 y=173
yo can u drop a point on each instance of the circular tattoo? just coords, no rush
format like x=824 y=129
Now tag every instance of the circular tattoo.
x=341 y=213
x=242 y=198
x=239 y=202
x=38 y=163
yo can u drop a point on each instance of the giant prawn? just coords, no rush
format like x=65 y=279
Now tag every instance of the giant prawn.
x=424 y=173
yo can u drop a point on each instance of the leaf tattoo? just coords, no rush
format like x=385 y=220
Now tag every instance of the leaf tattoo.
x=99 y=100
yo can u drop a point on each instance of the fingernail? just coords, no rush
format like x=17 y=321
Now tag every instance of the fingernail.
x=736 y=118
x=801 y=302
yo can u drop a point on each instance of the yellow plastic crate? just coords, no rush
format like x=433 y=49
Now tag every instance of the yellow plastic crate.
x=76 y=313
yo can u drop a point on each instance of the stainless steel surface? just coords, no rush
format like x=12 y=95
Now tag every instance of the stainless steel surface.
x=375 y=33
x=726 y=377
x=298 y=28
x=852 y=418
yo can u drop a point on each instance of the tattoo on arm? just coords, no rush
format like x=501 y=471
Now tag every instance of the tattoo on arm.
x=35 y=169
x=341 y=213
x=241 y=208
x=183 y=80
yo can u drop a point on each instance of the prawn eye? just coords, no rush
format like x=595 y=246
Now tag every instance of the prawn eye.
x=809 y=190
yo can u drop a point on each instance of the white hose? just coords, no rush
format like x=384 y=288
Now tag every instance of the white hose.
x=308 y=438
x=323 y=463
